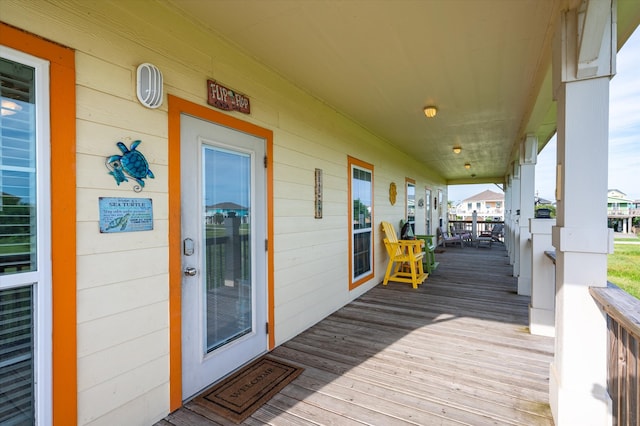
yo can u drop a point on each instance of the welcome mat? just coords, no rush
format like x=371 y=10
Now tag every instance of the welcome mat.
x=241 y=394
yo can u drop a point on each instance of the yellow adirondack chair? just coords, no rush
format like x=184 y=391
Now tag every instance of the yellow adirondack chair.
x=403 y=254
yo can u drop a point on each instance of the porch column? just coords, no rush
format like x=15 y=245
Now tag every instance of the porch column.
x=515 y=220
x=543 y=279
x=583 y=62
x=528 y=156
x=507 y=215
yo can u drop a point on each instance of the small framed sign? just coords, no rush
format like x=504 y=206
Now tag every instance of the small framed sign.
x=318 y=193
x=125 y=214
x=227 y=99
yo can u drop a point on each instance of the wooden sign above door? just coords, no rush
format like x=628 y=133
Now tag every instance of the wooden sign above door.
x=227 y=99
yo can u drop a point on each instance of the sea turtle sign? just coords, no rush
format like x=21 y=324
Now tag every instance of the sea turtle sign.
x=125 y=214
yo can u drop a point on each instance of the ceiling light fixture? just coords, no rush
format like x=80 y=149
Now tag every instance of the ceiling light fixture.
x=10 y=107
x=457 y=150
x=467 y=166
x=430 y=111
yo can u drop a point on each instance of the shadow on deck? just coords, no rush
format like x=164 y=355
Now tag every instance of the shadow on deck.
x=455 y=351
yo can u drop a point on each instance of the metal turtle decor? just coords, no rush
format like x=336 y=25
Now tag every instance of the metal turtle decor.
x=131 y=163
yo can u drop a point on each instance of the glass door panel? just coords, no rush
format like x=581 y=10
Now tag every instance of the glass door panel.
x=227 y=235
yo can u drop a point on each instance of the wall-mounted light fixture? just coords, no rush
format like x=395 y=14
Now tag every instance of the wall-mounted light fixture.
x=467 y=166
x=430 y=111
x=457 y=150
x=149 y=87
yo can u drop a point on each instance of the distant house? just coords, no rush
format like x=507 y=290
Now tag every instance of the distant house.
x=620 y=211
x=617 y=203
x=488 y=205
x=539 y=201
x=225 y=209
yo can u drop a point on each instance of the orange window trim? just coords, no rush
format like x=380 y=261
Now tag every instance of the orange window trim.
x=178 y=106
x=353 y=284
x=63 y=214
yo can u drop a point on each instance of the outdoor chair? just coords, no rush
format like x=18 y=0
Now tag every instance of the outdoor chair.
x=429 y=263
x=483 y=238
x=497 y=232
x=463 y=233
x=405 y=258
x=451 y=239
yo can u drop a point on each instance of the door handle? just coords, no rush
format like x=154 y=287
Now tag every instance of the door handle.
x=190 y=271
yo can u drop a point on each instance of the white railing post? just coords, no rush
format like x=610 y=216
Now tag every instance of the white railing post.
x=474 y=225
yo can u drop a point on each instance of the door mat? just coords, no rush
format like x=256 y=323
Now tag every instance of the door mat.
x=241 y=394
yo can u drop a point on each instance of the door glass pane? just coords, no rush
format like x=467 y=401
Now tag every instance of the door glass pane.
x=227 y=275
x=17 y=168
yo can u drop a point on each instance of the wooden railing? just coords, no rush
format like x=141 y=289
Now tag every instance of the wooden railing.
x=227 y=258
x=467 y=225
x=623 y=321
x=623 y=212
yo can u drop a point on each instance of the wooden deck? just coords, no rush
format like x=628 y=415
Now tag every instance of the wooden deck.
x=455 y=351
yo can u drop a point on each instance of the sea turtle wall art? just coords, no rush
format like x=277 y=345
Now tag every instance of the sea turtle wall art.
x=130 y=163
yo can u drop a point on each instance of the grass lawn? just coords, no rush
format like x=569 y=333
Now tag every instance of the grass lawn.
x=624 y=267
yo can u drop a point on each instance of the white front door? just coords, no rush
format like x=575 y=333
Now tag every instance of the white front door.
x=223 y=216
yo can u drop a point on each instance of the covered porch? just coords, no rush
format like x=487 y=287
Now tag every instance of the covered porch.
x=456 y=351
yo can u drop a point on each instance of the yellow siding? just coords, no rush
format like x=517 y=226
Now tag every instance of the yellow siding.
x=122 y=279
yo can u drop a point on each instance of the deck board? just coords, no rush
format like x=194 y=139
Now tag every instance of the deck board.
x=455 y=351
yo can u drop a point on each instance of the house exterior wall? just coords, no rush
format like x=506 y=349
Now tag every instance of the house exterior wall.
x=122 y=280
x=488 y=209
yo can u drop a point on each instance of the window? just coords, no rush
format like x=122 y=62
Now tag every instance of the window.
x=411 y=202
x=498 y=204
x=478 y=206
x=360 y=222
x=469 y=206
x=428 y=212
x=24 y=268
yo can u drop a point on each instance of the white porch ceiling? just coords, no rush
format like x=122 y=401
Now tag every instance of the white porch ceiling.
x=485 y=64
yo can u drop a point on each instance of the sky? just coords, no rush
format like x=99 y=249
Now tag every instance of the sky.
x=624 y=135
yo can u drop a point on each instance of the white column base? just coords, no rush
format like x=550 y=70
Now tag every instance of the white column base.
x=542 y=322
x=571 y=407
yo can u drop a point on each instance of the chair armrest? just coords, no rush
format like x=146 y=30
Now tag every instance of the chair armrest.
x=429 y=241
x=414 y=245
